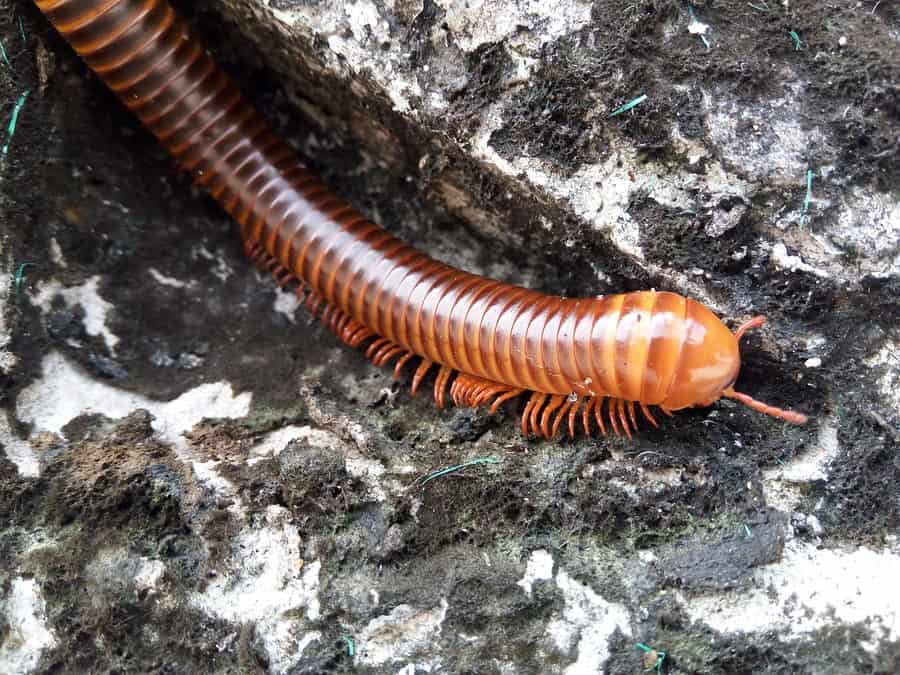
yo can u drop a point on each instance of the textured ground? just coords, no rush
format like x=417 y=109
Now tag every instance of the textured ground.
x=195 y=478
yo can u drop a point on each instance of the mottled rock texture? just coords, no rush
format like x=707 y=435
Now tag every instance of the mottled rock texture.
x=196 y=478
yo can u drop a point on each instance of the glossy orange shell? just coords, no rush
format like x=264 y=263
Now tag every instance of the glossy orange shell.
x=650 y=347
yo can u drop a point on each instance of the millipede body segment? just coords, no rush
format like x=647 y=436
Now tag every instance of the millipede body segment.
x=584 y=363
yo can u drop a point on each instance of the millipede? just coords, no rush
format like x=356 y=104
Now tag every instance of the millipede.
x=589 y=363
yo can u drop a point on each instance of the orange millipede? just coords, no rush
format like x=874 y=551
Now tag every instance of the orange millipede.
x=583 y=362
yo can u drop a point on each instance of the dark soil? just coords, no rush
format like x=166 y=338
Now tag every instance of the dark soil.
x=81 y=171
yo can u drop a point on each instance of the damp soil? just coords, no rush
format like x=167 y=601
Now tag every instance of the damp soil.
x=83 y=179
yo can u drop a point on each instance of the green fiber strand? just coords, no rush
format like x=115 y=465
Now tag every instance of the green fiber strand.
x=20 y=274
x=628 y=106
x=808 y=199
x=4 y=56
x=796 y=39
x=460 y=467
x=13 y=121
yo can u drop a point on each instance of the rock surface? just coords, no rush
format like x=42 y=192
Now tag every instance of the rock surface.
x=195 y=478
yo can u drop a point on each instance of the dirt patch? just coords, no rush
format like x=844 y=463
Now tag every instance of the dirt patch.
x=88 y=194
x=103 y=508
x=859 y=498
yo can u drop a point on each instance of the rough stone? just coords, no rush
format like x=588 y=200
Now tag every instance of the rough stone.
x=196 y=478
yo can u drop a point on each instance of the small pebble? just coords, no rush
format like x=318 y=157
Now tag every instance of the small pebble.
x=814 y=362
x=842 y=41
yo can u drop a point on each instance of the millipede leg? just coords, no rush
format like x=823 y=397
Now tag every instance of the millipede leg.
x=474 y=396
x=468 y=391
x=500 y=400
x=484 y=393
x=358 y=335
x=282 y=276
x=558 y=417
x=586 y=411
x=313 y=302
x=620 y=409
x=263 y=261
x=391 y=353
x=476 y=393
x=611 y=411
x=526 y=413
x=440 y=386
x=554 y=404
x=529 y=416
x=632 y=416
x=534 y=419
x=334 y=319
x=458 y=391
x=373 y=348
x=648 y=415
x=380 y=353
x=328 y=315
x=341 y=324
x=420 y=373
x=598 y=415
x=398 y=367
x=464 y=394
x=490 y=396
x=573 y=412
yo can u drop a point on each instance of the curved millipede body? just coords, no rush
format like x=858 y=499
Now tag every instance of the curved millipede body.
x=584 y=362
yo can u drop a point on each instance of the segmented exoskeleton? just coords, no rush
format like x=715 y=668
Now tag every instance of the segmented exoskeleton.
x=583 y=362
